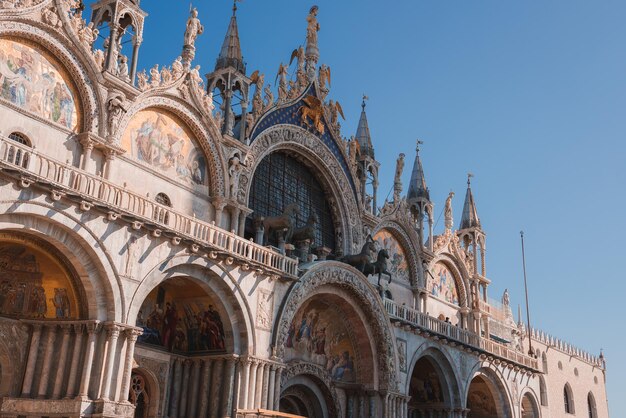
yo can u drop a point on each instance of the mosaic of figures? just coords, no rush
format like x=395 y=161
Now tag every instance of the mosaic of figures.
x=32 y=285
x=176 y=317
x=36 y=83
x=398 y=265
x=158 y=139
x=319 y=335
x=425 y=386
x=441 y=284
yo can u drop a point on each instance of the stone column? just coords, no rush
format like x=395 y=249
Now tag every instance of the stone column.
x=185 y=388
x=111 y=58
x=234 y=219
x=271 y=389
x=178 y=373
x=258 y=392
x=70 y=391
x=44 y=377
x=350 y=406
x=204 y=388
x=131 y=339
x=266 y=384
x=243 y=383
x=252 y=385
x=133 y=66
x=193 y=393
x=88 y=362
x=244 y=122
x=217 y=381
x=113 y=332
x=109 y=157
x=242 y=223
x=229 y=382
x=277 y=388
x=32 y=360
x=218 y=205
x=372 y=406
x=58 y=382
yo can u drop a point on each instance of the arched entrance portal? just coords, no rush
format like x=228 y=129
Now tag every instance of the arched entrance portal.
x=530 y=409
x=307 y=396
x=427 y=389
x=487 y=398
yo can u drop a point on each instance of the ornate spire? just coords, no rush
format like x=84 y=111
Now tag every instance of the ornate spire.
x=469 y=218
x=417 y=186
x=363 y=136
x=230 y=54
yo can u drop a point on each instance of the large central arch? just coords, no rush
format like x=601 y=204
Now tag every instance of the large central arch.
x=297 y=141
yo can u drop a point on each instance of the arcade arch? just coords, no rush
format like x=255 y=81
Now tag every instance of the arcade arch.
x=530 y=407
x=487 y=396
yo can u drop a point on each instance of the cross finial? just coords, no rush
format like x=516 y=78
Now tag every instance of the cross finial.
x=365 y=97
x=469 y=176
x=417 y=147
x=235 y=6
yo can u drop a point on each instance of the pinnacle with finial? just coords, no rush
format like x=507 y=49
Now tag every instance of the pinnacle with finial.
x=469 y=176
x=417 y=147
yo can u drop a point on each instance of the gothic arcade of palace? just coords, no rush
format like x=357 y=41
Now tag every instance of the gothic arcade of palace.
x=180 y=245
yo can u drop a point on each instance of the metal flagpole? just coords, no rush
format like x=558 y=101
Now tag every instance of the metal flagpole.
x=530 y=344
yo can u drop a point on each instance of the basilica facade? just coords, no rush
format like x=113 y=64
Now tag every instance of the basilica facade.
x=180 y=244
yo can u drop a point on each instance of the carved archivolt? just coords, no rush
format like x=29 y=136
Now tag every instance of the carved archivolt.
x=364 y=296
x=297 y=140
x=318 y=372
x=459 y=280
x=89 y=99
x=408 y=245
x=213 y=153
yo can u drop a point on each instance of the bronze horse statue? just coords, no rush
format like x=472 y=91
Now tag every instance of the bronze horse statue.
x=359 y=261
x=308 y=231
x=379 y=266
x=280 y=222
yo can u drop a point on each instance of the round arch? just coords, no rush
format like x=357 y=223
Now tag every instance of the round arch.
x=205 y=135
x=306 y=393
x=460 y=283
x=79 y=66
x=229 y=299
x=358 y=299
x=404 y=239
x=144 y=388
x=529 y=407
x=295 y=140
x=442 y=364
x=491 y=384
x=85 y=252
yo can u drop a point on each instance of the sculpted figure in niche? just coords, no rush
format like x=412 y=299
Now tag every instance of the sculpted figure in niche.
x=115 y=108
x=234 y=170
x=122 y=67
x=98 y=57
x=194 y=28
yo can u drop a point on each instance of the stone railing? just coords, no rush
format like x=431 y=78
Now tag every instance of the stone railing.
x=93 y=190
x=451 y=332
x=264 y=413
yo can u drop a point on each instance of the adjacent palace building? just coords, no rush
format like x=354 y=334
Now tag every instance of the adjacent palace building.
x=175 y=244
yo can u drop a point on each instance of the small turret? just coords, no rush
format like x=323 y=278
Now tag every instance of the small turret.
x=469 y=219
x=418 y=198
x=470 y=231
x=367 y=166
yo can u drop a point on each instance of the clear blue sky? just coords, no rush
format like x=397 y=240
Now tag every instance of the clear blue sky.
x=529 y=96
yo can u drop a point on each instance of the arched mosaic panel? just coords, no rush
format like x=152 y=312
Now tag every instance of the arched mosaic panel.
x=398 y=264
x=179 y=316
x=318 y=334
x=160 y=140
x=442 y=285
x=33 y=80
x=33 y=284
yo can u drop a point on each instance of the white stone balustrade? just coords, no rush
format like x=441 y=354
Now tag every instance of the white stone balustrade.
x=102 y=193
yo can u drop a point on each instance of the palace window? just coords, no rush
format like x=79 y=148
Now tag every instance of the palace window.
x=591 y=406
x=568 y=399
x=281 y=180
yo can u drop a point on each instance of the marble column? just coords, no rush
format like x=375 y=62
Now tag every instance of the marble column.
x=243 y=383
x=234 y=220
x=58 y=381
x=131 y=339
x=87 y=148
x=88 y=361
x=109 y=157
x=350 y=406
x=277 y=388
x=218 y=205
x=184 y=390
x=242 y=223
x=372 y=407
x=217 y=381
x=252 y=386
x=229 y=382
x=271 y=390
x=258 y=392
x=204 y=388
x=113 y=332
x=70 y=391
x=32 y=360
x=192 y=401
x=266 y=385
x=175 y=393
x=44 y=376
